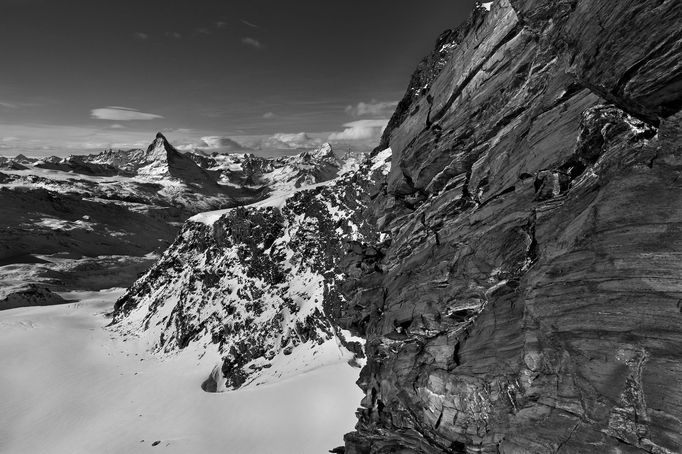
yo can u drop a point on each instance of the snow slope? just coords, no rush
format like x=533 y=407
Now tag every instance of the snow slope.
x=68 y=385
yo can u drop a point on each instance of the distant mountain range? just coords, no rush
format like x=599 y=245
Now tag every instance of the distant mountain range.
x=113 y=209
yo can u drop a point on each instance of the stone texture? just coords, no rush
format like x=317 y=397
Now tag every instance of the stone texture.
x=525 y=297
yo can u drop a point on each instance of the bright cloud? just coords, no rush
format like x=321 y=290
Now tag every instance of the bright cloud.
x=218 y=142
x=268 y=115
x=252 y=42
x=374 y=108
x=42 y=140
x=116 y=113
x=284 y=141
x=360 y=130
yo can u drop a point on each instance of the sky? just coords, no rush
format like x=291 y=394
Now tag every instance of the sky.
x=91 y=74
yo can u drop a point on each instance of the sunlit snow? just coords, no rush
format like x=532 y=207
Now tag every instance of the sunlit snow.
x=115 y=397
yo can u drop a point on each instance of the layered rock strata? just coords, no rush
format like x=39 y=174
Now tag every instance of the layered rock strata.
x=528 y=300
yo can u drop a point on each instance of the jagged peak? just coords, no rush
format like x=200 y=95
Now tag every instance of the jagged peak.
x=160 y=148
x=324 y=151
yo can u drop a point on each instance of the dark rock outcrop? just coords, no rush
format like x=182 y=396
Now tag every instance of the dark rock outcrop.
x=30 y=295
x=529 y=300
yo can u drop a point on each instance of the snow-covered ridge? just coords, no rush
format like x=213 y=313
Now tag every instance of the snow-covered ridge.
x=257 y=285
x=305 y=171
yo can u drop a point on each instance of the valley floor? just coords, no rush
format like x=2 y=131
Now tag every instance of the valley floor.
x=68 y=385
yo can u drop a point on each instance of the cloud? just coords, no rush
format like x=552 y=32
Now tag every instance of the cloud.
x=360 y=130
x=174 y=35
x=249 y=24
x=373 y=108
x=288 y=141
x=117 y=126
x=38 y=139
x=220 y=24
x=222 y=143
x=269 y=115
x=121 y=114
x=252 y=42
x=141 y=36
x=203 y=31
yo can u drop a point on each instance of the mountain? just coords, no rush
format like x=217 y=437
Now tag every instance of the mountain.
x=97 y=221
x=529 y=297
x=162 y=160
x=259 y=284
x=515 y=275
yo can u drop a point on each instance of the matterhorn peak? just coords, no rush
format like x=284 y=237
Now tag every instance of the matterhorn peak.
x=160 y=146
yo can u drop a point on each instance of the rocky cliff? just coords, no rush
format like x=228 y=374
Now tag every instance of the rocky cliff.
x=528 y=300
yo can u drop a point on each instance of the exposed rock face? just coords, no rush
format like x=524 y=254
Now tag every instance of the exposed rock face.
x=162 y=160
x=258 y=285
x=529 y=301
x=29 y=295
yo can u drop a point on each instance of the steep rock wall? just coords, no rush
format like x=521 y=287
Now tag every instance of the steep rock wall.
x=528 y=300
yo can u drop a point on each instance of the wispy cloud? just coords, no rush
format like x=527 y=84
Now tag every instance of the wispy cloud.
x=203 y=31
x=8 y=105
x=360 y=130
x=117 y=113
x=221 y=143
x=42 y=139
x=373 y=108
x=221 y=24
x=249 y=24
x=141 y=36
x=252 y=42
x=288 y=141
x=174 y=35
x=269 y=115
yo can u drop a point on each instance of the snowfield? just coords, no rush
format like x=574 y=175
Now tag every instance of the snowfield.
x=69 y=385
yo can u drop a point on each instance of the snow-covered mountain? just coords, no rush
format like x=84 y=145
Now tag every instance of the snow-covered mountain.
x=120 y=206
x=258 y=285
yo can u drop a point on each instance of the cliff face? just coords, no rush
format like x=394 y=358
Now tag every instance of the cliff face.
x=528 y=300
